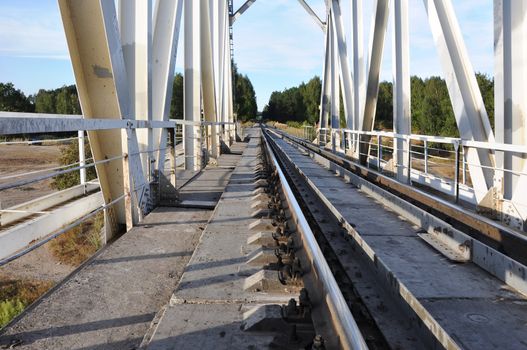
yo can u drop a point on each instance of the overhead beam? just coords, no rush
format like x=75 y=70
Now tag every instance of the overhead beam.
x=241 y=10
x=313 y=14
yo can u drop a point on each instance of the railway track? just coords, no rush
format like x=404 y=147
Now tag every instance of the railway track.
x=410 y=277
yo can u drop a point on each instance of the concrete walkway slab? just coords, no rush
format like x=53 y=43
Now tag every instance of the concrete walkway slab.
x=110 y=303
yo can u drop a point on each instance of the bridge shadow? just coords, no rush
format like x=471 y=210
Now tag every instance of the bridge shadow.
x=28 y=338
x=140 y=257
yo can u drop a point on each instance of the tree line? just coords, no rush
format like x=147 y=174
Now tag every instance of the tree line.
x=65 y=100
x=432 y=112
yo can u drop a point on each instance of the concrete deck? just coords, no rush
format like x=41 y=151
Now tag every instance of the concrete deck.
x=471 y=306
x=111 y=302
x=206 y=310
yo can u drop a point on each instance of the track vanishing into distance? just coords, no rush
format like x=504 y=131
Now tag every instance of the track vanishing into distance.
x=413 y=276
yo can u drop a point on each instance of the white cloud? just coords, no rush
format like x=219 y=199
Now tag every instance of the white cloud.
x=31 y=32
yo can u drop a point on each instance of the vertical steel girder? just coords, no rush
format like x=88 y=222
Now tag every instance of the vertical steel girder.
x=164 y=50
x=345 y=74
x=136 y=39
x=100 y=73
x=358 y=63
x=401 y=87
x=208 y=77
x=378 y=35
x=334 y=77
x=326 y=76
x=471 y=115
x=192 y=84
x=510 y=45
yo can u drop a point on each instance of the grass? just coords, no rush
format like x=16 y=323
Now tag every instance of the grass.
x=17 y=294
x=80 y=243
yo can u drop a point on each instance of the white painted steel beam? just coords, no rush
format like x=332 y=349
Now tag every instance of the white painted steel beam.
x=377 y=39
x=313 y=14
x=326 y=77
x=377 y=35
x=208 y=79
x=401 y=87
x=20 y=236
x=164 y=50
x=334 y=78
x=510 y=45
x=100 y=73
x=192 y=83
x=469 y=109
x=241 y=10
x=346 y=79
x=136 y=38
x=358 y=62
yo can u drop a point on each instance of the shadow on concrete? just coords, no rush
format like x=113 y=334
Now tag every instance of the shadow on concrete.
x=141 y=257
x=60 y=331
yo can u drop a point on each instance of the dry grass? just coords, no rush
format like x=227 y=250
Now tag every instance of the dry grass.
x=80 y=243
x=17 y=294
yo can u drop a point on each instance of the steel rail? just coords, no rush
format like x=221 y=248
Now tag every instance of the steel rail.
x=504 y=239
x=346 y=326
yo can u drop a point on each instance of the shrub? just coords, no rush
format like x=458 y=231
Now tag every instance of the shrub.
x=70 y=155
x=9 y=309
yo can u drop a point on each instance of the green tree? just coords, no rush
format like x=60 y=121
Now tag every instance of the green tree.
x=176 y=107
x=486 y=86
x=45 y=102
x=245 y=105
x=384 y=114
x=66 y=100
x=14 y=100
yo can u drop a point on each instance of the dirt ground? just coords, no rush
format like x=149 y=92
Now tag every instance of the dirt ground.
x=40 y=264
x=18 y=159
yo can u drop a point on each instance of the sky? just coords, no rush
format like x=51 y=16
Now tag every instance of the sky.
x=277 y=44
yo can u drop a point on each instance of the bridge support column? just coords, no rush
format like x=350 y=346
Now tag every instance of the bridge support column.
x=100 y=73
x=401 y=87
x=192 y=81
x=510 y=28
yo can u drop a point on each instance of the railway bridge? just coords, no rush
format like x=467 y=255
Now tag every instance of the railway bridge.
x=219 y=235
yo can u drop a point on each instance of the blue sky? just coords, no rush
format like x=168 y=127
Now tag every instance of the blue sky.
x=276 y=43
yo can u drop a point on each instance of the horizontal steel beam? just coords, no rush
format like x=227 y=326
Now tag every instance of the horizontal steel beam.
x=20 y=236
x=28 y=123
x=27 y=209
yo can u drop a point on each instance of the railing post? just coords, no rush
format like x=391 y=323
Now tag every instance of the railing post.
x=379 y=152
x=464 y=166
x=426 y=156
x=82 y=157
x=456 y=176
x=409 y=140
